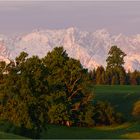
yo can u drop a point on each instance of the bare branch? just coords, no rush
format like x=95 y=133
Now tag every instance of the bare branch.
x=74 y=93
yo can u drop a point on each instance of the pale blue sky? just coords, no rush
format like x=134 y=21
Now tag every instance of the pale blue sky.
x=23 y=17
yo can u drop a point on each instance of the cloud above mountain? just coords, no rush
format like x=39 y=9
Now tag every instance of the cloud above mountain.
x=23 y=16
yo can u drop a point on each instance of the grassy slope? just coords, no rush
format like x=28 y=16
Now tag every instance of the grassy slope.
x=127 y=130
x=4 y=135
x=121 y=97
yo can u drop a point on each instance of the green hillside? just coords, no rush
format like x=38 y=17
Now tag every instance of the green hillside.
x=122 y=97
x=127 y=130
x=4 y=135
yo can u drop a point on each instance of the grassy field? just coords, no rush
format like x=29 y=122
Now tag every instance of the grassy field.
x=4 y=135
x=127 y=130
x=116 y=89
x=122 y=97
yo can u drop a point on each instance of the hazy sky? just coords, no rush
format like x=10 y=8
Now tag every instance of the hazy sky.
x=23 y=17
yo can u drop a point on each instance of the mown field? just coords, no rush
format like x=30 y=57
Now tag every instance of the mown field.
x=121 y=97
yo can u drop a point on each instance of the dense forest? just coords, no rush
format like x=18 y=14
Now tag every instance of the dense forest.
x=37 y=91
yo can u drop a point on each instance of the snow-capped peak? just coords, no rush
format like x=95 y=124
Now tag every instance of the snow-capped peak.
x=90 y=48
x=102 y=33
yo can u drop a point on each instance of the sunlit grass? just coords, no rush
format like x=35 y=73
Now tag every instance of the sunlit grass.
x=132 y=135
x=114 y=127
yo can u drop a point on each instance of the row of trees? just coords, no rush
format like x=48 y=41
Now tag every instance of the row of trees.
x=101 y=76
x=54 y=90
x=114 y=74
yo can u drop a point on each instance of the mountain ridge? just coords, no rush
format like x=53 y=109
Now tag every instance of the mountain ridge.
x=90 y=48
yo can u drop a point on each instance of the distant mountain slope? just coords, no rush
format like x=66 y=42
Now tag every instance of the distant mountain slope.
x=90 y=48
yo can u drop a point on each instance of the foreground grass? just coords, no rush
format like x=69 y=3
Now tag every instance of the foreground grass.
x=4 y=135
x=127 y=130
x=132 y=135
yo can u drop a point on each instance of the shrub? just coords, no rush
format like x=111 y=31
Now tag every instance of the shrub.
x=136 y=109
x=105 y=114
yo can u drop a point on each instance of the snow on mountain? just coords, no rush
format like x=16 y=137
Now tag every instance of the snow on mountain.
x=4 y=52
x=90 y=48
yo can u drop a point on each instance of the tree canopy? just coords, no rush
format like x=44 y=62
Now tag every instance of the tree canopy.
x=35 y=92
x=115 y=58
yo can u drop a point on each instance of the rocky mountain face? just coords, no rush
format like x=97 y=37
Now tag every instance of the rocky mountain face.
x=90 y=48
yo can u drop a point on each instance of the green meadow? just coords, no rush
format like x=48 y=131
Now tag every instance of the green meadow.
x=4 y=135
x=127 y=130
x=121 y=97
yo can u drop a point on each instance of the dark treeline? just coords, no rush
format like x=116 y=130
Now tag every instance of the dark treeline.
x=35 y=92
x=101 y=76
x=114 y=73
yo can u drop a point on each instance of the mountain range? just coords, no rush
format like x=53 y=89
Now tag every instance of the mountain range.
x=91 y=48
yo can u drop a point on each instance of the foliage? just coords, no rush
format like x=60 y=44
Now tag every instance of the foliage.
x=23 y=94
x=136 y=110
x=54 y=90
x=106 y=115
x=115 y=58
x=100 y=75
x=114 y=74
x=67 y=81
x=122 y=97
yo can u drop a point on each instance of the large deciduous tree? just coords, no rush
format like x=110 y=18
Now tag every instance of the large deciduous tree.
x=67 y=81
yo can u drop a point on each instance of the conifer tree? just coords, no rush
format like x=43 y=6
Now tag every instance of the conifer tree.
x=115 y=62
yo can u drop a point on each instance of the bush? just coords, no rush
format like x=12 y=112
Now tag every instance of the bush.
x=136 y=110
x=105 y=114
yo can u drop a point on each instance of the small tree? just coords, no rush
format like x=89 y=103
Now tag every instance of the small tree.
x=105 y=114
x=100 y=75
x=136 y=110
